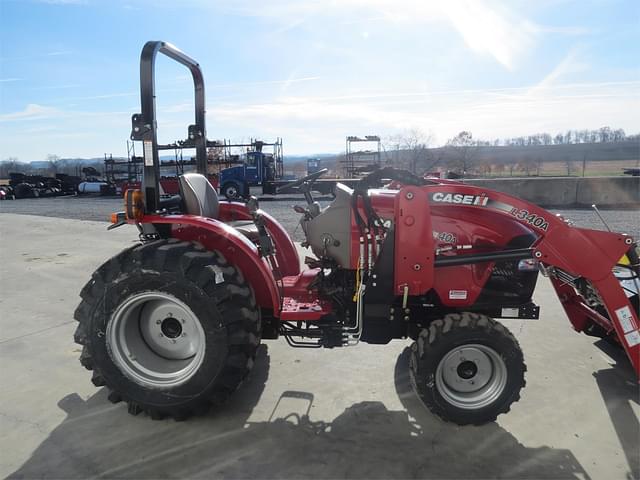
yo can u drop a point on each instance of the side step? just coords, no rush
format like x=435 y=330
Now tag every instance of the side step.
x=527 y=311
x=294 y=310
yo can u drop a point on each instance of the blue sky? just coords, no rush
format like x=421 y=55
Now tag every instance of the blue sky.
x=313 y=72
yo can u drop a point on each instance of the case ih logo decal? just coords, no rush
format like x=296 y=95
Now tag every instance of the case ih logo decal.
x=459 y=198
x=484 y=201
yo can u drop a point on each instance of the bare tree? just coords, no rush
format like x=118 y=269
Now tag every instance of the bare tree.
x=463 y=149
x=485 y=168
x=416 y=155
x=511 y=165
x=528 y=164
x=605 y=134
x=53 y=161
x=11 y=165
x=568 y=163
x=618 y=135
x=602 y=135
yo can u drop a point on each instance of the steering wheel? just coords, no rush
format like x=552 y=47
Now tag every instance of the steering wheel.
x=312 y=177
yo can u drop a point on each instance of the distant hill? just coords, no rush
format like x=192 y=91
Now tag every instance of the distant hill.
x=481 y=160
x=508 y=157
x=629 y=150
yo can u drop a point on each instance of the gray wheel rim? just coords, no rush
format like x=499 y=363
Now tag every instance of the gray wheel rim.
x=156 y=340
x=231 y=191
x=471 y=376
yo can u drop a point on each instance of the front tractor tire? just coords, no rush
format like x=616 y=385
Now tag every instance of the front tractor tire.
x=168 y=327
x=467 y=368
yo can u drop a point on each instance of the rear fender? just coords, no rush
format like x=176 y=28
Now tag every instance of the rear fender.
x=286 y=252
x=236 y=248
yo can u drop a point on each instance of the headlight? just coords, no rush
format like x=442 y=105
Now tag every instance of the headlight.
x=527 y=265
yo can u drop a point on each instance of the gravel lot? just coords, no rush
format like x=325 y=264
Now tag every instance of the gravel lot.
x=100 y=208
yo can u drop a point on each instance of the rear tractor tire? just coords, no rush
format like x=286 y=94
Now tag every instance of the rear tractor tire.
x=168 y=327
x=467 y=368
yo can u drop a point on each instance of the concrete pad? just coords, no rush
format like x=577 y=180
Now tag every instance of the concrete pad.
x=342 y=413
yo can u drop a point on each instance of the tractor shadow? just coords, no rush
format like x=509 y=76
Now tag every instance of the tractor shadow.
x=618 y=387
x=365 y=441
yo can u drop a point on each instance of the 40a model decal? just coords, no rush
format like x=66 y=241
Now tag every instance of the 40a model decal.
x=445 y=237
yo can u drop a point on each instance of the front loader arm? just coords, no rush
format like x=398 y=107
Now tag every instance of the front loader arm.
x=568 y=254
x=590 y=255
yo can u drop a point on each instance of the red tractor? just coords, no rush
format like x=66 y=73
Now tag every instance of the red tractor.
x=171 y=325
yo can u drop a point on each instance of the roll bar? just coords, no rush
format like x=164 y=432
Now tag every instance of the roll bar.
x=144 y=125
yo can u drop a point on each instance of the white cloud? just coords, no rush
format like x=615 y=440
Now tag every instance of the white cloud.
x=488 y=30
x=487 y=27
x=573 y=31
x=64 y=2
x=287 y=81
x=58 y=53
x=32 y=111
x=324 y=121
x=58 y=87
x=567 y=65
x=106 y=96
x=320 y=123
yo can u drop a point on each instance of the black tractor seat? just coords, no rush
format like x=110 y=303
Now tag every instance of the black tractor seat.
x=200 y=198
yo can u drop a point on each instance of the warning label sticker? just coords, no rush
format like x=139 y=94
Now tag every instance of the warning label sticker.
x=632 y=338
x=510 y=313
x=148 y=154
x=626 y=319
x=457 y=294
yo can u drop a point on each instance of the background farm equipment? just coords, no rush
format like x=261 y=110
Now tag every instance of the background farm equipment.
x=257 y=168
x=34 y=186
x=126 y=173
x=94 y=183
x=6 y=191
x=172 y=324
x=68 y=183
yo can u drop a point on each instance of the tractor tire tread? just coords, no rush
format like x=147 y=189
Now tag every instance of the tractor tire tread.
x=234 y=298
x=438 y=331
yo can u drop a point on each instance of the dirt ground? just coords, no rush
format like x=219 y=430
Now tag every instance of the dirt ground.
x=342 y=413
